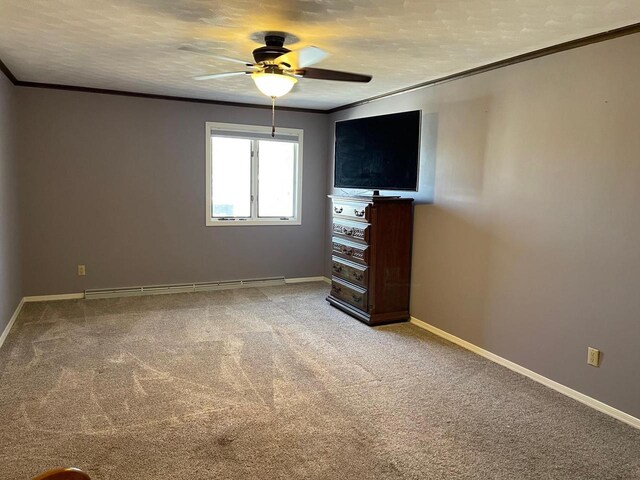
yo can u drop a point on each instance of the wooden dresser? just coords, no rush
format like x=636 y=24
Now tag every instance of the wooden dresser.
x=371 y=257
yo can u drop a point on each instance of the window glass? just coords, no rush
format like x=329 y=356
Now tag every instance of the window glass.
x=230 y=177
x=276 y=179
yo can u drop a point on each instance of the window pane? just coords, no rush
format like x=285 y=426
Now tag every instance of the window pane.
x=231 y=177
x=276 y=179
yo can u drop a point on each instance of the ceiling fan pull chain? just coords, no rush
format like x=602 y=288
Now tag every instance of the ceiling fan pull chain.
x=273 y=117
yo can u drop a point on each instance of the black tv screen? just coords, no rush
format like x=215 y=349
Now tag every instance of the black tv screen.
x=378 y=153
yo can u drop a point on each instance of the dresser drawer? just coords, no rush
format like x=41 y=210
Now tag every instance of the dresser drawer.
x=351 y=294
x=354 y=230
x=350 y=250
x=352 y=210
x=351 y=272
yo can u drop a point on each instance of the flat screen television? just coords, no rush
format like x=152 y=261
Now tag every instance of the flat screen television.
x=378 y=153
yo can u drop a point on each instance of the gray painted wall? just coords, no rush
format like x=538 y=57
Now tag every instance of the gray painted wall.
x=117 y=183
x=531 y=246
x=10 y=278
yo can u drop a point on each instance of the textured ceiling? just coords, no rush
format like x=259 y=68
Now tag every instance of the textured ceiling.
x=133 y=45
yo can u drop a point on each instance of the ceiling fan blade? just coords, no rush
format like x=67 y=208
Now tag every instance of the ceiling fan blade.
x=236 y=60
x=302 y=58
x=220 y=75
x=204 y=51
x=310 y=55
x=322 y=74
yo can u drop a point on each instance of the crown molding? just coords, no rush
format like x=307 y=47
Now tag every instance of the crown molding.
x=543 y=52
x=124 y=93
x=4 y=69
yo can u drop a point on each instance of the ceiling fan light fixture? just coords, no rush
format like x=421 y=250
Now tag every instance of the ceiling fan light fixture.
x=273 y=84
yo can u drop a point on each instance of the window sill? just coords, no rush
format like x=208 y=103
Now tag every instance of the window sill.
x=251 y=223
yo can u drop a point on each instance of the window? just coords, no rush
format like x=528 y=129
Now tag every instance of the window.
x=253 y=178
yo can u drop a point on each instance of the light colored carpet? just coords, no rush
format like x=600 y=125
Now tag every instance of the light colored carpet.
x=273 y=383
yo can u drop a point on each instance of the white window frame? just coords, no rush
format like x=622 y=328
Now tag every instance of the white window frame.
x=254 y=219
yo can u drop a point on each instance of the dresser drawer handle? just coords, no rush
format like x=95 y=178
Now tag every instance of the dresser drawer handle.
x=358 y=213
x=337 y=268
x=358 y=276
x=356 y=298
x=347 y=231
x=337 y=289
x=337 y=209
x=347 y=251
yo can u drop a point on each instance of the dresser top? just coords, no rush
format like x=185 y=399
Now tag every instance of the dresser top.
x=370 y=198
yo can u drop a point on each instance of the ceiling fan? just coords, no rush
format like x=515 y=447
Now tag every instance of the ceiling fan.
x=276 y=68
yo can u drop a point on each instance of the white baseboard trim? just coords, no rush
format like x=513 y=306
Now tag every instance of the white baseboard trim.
x=12 y=320
x=304 y=279
x=74 y=296
x=47 y=298
x=307 y=279
x=168 y=289
x=569 y=392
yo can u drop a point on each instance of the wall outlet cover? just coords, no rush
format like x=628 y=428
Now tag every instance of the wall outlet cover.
x=593 y=356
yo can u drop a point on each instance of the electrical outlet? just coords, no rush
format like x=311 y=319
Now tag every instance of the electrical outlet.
x=593 y=356
x=81 y=271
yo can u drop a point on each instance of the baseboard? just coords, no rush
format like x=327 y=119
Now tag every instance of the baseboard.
x=569 y=392
x=47 y=298
x=74 y=296
x=168 y=289
x=304 y=279
x=326 y=280
x=41 y=298
x=12 y=320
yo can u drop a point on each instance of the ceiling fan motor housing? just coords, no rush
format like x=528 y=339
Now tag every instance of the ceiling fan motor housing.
x=272 y=50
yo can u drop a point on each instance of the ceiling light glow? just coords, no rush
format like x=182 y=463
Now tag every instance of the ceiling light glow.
x=274 y=84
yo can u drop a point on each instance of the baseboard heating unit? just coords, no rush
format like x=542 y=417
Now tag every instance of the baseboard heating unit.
x=181 y=288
